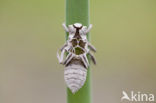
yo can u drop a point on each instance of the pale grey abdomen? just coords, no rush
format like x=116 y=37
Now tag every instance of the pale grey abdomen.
x=75 y=76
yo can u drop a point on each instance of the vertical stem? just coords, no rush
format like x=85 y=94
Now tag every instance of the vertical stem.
x=77 y=11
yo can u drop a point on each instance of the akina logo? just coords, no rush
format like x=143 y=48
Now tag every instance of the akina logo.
x=137 y=96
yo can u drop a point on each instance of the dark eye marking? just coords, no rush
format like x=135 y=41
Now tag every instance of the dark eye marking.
x=82 y=43
x=74 y=42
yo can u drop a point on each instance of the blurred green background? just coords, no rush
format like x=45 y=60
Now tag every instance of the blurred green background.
x=124 y=33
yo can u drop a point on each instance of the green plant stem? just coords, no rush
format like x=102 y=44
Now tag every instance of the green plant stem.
x=77 y=11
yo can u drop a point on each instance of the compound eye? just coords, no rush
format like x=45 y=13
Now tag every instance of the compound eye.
x=83 y=30
x=74 y=42
x=82 y=43
x=72 y=30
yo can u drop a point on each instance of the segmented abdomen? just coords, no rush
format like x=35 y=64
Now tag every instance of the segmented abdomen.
x=75 y=76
